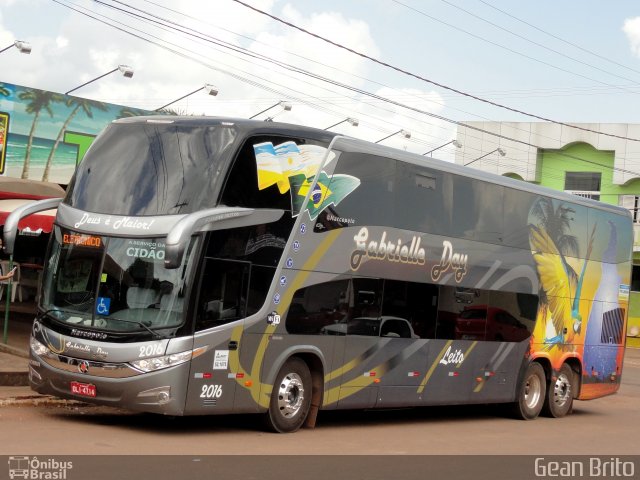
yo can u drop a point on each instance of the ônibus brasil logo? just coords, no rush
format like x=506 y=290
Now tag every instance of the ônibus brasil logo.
x=38 y=469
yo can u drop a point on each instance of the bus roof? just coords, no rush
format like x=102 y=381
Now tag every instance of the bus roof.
x=242 y=125
x=346 y=144
x=247 y=127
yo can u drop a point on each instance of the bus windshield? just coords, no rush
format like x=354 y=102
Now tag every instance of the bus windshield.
x=114 y=284
x=162 y=169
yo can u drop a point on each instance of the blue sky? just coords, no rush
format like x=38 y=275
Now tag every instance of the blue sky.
x=448 y=41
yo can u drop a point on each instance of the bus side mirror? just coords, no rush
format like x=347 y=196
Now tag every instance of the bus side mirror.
x=212 y=219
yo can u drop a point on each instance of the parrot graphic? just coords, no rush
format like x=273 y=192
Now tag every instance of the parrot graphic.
x=560 y=284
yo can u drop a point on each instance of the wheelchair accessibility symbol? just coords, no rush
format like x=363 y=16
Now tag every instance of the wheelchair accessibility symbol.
x=103 y=305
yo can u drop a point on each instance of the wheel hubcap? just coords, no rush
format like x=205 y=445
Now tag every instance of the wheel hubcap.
x=561 y=390
x=532 y=391
x=290 y=395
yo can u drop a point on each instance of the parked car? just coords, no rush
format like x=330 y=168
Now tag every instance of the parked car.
x=480 y=322
x=385 y=326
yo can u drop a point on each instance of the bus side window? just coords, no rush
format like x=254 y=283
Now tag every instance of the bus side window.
x=321 y=309
x=223 y=293
x=511 y=316
x=241 y=186
x=462 y=313
x=415 y=302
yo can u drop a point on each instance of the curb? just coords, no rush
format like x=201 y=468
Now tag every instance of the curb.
x=14 y=379
x=19 y=352
x=40 y=401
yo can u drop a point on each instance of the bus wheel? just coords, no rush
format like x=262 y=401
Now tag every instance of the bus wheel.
x=560 y=394
x=531 y=393
x=290 y=398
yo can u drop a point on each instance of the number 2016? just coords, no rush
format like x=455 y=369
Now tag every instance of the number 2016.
x=148 y=350
x=211 y=391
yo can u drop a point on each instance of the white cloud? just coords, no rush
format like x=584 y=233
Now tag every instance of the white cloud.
x=631 y=28
x=77 y=49
x=62 y=42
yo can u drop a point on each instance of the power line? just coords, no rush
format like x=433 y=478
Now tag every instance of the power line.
x=424 y=79
x=239 y=77
x=271 y=61
x=255 y=83
x=601 y=57
x=526 y=39
x=243 y=51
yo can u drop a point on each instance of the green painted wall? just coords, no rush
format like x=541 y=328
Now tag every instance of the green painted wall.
x=555 y=164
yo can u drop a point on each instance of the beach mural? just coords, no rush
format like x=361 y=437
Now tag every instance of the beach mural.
x=44 y=135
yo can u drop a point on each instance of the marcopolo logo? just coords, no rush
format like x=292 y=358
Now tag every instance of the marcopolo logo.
x=38 y=469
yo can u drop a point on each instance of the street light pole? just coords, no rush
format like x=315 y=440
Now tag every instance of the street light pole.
x=285 y=105
x=22 y=46
x=125 y=69
x=499 y=150
x=353 y=121
x=455 y=143
x=404 y=133
x=210 y=89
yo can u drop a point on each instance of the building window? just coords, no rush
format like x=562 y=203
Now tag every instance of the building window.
x=631 y=203
x=635 y=278
x=583 y=184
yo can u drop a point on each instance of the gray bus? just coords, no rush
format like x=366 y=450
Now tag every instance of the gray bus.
x=214 y=266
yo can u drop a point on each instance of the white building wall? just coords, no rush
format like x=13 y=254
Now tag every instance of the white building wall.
x=521 y=141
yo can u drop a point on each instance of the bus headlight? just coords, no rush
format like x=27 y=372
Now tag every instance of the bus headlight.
x=158 y=363
x=38 y=348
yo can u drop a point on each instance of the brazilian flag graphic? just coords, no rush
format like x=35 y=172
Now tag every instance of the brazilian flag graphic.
x=327 y=191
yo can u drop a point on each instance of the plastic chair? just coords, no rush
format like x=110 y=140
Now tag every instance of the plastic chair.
x=15 y=281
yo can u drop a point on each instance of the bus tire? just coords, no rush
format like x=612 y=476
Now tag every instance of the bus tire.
x=290 y=398
x=531 y=393
x=559 y=398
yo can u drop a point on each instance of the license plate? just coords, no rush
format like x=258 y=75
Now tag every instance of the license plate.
x=84 y=389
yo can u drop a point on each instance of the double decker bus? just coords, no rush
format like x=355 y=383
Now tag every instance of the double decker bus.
x=215 y=266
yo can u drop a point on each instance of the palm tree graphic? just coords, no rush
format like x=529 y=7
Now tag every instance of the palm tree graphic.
x=78 y=104
x=561 y=286
x=39 y=100
x=4 y=91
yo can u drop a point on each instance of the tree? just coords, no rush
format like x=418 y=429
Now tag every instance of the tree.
x=171 y=111
x=78 y=104
x=38 y=100
x=556 y=221
x=128 y=112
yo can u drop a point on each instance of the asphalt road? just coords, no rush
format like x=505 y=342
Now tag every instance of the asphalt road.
x=607 y=426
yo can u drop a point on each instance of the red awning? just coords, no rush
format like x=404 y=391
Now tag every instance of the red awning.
x=11 y=187
x=35 y=224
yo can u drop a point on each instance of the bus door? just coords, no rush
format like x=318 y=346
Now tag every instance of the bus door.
x=383 y=351
x=480 y=341
x=364 y=352
x=222 y=302
x=459 y=327
x=407 y=322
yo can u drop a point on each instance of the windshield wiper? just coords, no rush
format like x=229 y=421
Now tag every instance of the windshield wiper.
x=155 y=334
x=46 y=313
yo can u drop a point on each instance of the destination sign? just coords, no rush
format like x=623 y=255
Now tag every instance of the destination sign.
x=81 y=240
